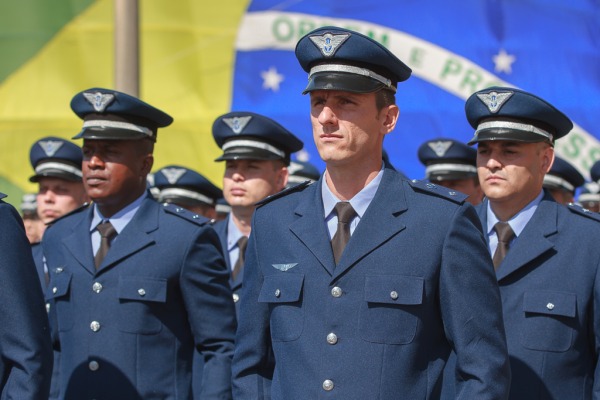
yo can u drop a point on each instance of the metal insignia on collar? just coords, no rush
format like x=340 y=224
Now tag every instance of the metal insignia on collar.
x=329 y=43
x=237 y=124
x=99 y=100
x=284 y=267
x=172 y=174
x=494 y=100
x=440 y=147
x=50 y=147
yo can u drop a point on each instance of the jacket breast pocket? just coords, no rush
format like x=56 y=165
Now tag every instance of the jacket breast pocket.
x=389 y=313
x=283 y=292
x=141 y=299
x=58 y=294
x=549 y=320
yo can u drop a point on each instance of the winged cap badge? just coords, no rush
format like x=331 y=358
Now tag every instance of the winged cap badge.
x=50 y=147
x=237 y=124
x=284 y=267
x=440 y=147
x=329 y=43
x=494 y=100
x=172 y=174
x=99 y=100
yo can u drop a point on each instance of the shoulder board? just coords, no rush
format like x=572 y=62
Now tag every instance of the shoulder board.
x=577 y=209
x=437 y=190
x=75 y=211
x=297 y=188
x=185 y=214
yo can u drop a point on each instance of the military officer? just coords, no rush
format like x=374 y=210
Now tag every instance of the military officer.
x=57 y=171
x=375 y=319
x=547 y=256
x=135 y=286
x=589 y=197
x=34 y=227
x=256 y=152
x=562 y=181
x=451 y=164
x=188 y=189
x=301 y=171
x=25 y=350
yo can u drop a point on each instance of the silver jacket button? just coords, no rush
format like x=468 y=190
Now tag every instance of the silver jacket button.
x=336 y=292
x=95 y=326
x=93 y=365
x=332 y=338
x=97 y=287
x=328 y=385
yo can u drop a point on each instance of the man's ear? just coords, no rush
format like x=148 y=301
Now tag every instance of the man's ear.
x=392 y=112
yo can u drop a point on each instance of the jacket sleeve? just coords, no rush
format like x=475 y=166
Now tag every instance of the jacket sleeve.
x=24 y=332
x=211 y=311
x=472 y=311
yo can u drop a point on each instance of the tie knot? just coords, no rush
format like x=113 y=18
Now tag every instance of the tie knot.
x=504 y=232
x=344 y=212
x=242 y=243
x=106 y=230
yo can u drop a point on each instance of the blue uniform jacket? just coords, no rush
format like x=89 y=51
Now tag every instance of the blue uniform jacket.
x=25 y=347
x=415 y=281
x=550 y=288
x=128 y=330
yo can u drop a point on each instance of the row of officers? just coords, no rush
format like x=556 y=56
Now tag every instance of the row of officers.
x=358 y=283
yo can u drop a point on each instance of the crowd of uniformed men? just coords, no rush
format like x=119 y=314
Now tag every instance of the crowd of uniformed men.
x=479 y=282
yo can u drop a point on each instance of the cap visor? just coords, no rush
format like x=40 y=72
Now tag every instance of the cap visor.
x=55 y=174
x=506 y=135
x=342 y=81
x=110 y=134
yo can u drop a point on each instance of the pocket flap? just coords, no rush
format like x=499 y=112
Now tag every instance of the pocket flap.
x=394 y=289
x=58 y=285
x=142 y=288
x=281 y=288
x=550 y=303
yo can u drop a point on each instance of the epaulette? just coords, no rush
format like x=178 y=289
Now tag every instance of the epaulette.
x=185 y=214
x=297 y=188
x=75 y=211
x=437 y=190
x=577 y=209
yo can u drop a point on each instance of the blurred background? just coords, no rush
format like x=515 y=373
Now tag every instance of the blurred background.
x=199 y=59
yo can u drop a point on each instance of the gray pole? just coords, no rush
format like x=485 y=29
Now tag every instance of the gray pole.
x=127 y=66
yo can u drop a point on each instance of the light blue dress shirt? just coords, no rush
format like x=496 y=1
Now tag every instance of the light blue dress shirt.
x=233 y=235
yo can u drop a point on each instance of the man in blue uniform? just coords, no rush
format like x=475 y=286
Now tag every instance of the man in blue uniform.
x=562 y=181
x=375 y=319
x=256 y=152
x=188 y=189
x=451 y=164
x=135 y=286
x=57 y=171
x=25 y=347
x=546 y=255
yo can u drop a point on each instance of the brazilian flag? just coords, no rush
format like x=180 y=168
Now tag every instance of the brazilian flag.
x=51 y=50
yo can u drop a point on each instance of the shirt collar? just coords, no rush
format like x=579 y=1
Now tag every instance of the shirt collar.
x=121 y=218
x=233 y=234
x=360 y=202
x=518 y=222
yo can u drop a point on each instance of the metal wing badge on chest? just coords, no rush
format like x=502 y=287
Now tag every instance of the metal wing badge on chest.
x=284 y=267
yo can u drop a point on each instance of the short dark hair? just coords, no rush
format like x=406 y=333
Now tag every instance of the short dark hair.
x=384 y=98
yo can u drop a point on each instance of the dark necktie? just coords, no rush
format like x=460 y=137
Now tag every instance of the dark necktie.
x=345 y=214
x=239 y=264
x=505 y=235
x=107 y=233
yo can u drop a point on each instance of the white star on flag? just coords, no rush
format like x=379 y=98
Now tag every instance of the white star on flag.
x=271 y=79
x=503 y=62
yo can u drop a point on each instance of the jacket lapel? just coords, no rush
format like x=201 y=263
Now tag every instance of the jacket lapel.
x=380 y=222
x=310 y=226
x=79 y=242
x=136 y=235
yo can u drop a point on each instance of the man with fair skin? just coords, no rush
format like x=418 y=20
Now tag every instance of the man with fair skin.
x=136 y=287
x=376 y=318
x=546 y=255
x=57 y=171
x=256 y=151
x=451 y=164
